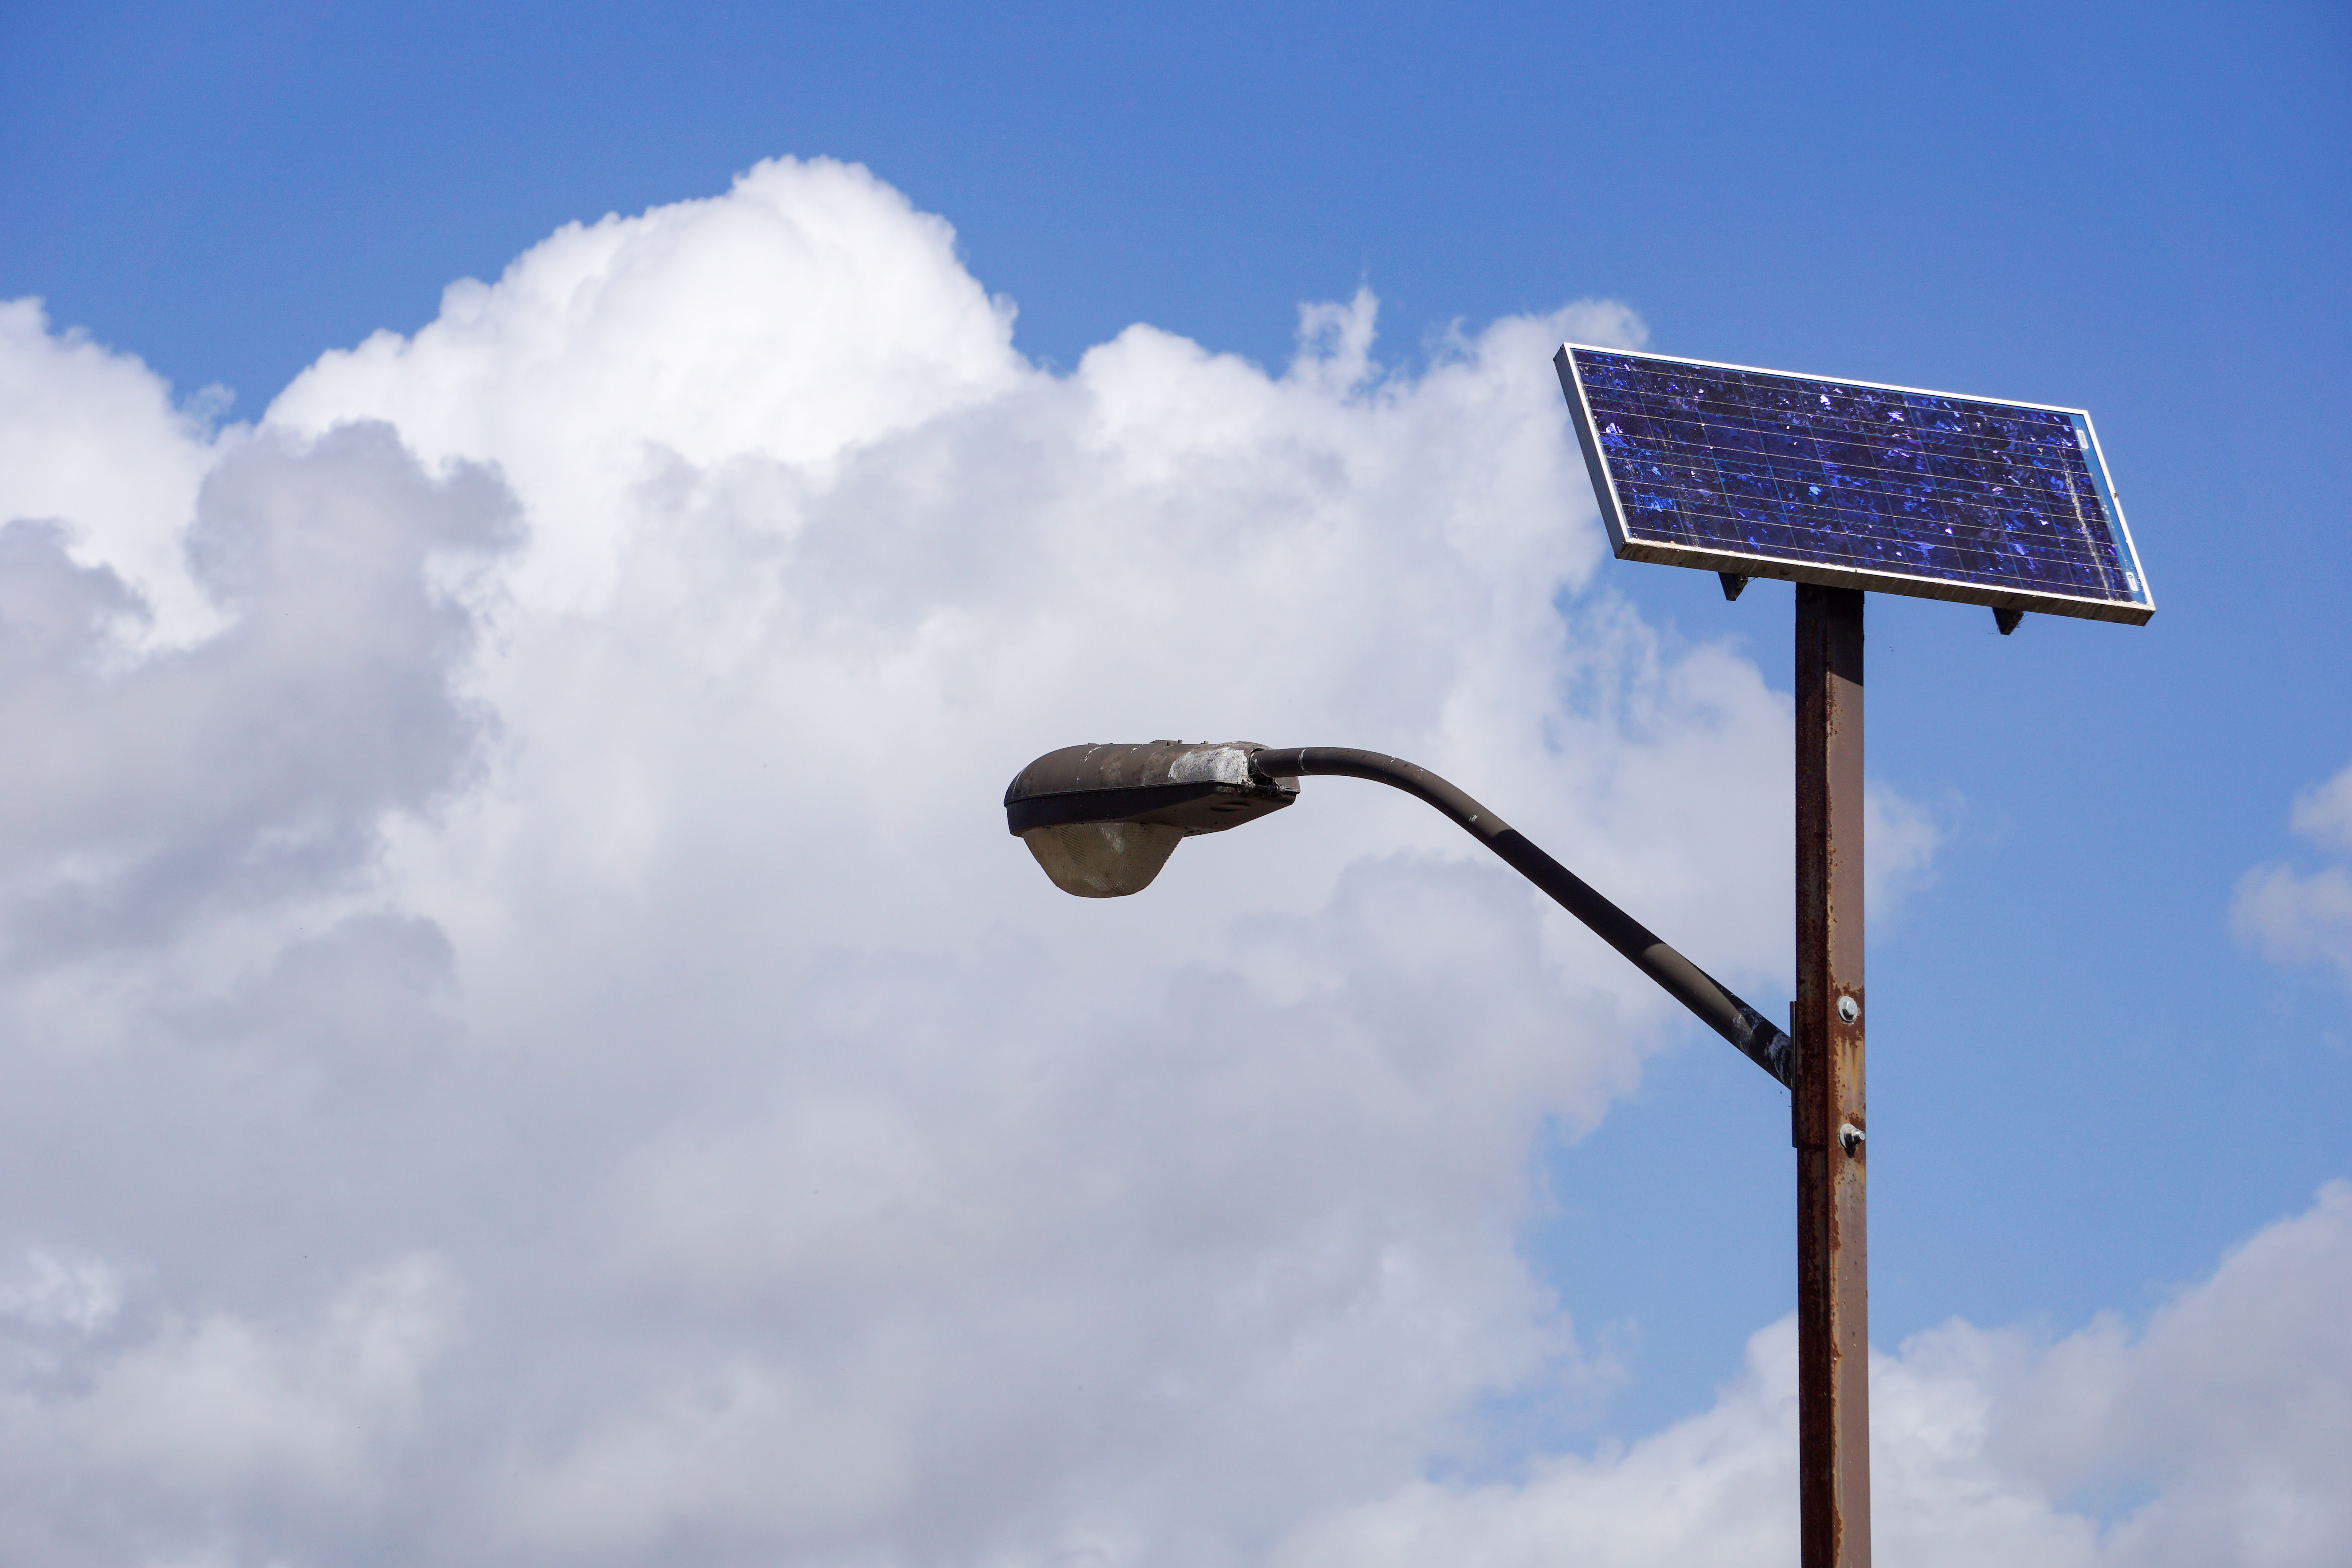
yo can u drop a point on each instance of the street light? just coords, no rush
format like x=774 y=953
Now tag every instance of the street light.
x=1102 y=820
x=1840 y=487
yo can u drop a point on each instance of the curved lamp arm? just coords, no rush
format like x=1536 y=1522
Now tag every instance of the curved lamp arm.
x=1756 y=1036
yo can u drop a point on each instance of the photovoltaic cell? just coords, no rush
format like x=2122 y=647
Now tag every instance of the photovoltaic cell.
x=1852 y=484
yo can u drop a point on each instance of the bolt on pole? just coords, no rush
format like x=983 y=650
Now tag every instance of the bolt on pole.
x=1828 y=1124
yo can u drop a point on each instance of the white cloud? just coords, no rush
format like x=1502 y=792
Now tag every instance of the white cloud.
x=574 y=856
x=2323 y=815
x=48 y=1291
x=199 y=1420
x=1901 y=836
x=808 y=312
x=2291 y=918
x=220 y=1402
x=89 y=438
x=265 y=752
x=2233 y=1406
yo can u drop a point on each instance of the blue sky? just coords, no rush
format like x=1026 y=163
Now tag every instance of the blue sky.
x=2086 y=1084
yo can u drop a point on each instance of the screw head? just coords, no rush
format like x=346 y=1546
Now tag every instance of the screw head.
x=1849 y=1009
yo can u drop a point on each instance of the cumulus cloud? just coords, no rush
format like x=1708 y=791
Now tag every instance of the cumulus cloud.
x=2323 y=815
x=2290 y=916
x=197 y=1426
x=90 y=439
x=267 y=751
x=47 y=1292
x=1901 y=836
x=2230 y=1407
x=528 y=991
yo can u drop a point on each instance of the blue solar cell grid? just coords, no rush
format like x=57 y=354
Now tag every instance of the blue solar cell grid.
x=1856 y=484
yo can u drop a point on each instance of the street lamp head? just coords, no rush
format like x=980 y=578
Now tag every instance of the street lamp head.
x=1102 y=820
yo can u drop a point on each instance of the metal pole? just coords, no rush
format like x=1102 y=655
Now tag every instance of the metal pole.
x=1827 y=1121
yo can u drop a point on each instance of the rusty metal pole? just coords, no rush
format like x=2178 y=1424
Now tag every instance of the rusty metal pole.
x=1827 y=1121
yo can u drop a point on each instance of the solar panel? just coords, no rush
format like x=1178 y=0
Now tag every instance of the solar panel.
x=1852 y=484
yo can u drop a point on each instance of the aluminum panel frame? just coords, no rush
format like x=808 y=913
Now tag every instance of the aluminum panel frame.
x=1627 y=546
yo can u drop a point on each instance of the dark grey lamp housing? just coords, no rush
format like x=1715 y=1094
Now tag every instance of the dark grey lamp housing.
x=1102 y=820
